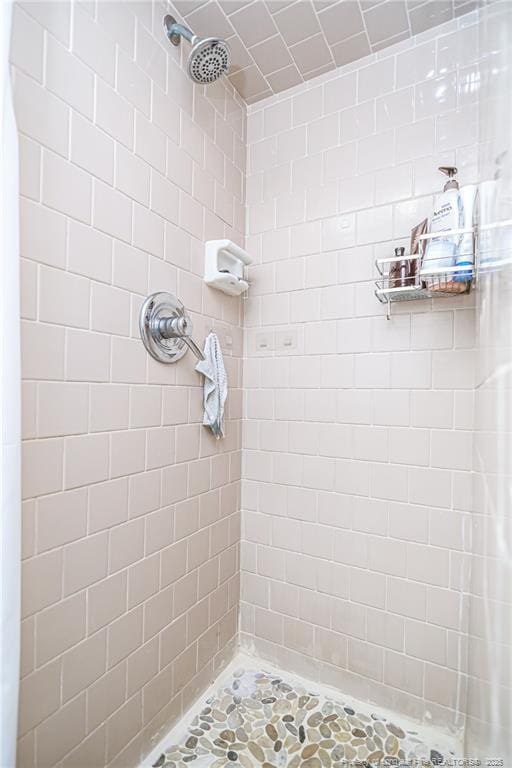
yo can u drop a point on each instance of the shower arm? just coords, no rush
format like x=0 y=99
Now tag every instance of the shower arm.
x=176 y=31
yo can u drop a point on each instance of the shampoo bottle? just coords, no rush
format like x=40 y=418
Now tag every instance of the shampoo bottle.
x=440 y=252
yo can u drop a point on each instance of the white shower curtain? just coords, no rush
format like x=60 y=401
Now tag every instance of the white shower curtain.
x=10 y=480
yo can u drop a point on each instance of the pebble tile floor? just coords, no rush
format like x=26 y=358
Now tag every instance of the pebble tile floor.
x=258 y=720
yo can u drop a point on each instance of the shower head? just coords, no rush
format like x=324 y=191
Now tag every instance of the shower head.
x=208 y=60
x=209 y=57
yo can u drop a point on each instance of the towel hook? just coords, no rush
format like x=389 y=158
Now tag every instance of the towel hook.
x=166 y=328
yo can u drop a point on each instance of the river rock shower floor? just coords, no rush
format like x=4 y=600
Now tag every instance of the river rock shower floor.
x=258 y=719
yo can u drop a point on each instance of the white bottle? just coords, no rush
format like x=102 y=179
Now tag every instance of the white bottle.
x=465 y=257
x=441 y=251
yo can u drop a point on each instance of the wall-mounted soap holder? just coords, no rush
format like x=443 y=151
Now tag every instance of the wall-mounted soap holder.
x=224 y=263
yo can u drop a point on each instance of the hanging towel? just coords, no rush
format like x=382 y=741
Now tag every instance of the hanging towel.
x=215 y=385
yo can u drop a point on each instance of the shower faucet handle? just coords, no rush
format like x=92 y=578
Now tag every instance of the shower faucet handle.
x=179 y=328
x=175 y=327
x=166 y=328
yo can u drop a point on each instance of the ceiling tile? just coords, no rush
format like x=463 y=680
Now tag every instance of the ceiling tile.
x=321 y=5
x=277 y=44
x=311 y=54
x=187 y=6
x=316 y=72
x=230 y=6
x=271 y=55
x=277 y=5
x=430 y=15
x=341 y=21
x=209 y=21
x=258 y=97
x=387 y=20
x=390 y=41
x=297 y=22
x=240 y=56
x=249 y=82
x=349 y=50
x=253 y=23
x=284 y=79
x=462 y=8
x=367 y=4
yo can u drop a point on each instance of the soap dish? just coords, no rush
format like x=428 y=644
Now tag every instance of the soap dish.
x=224 y=264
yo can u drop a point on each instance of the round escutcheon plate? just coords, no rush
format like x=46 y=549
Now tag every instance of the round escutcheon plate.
x=157 y=307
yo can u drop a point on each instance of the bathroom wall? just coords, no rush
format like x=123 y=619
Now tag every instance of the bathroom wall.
x=489 y=727
x=358 y=429
x=131 y=512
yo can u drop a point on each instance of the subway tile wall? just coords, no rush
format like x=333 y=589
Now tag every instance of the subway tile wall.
x=131 y=509
x=358 y=430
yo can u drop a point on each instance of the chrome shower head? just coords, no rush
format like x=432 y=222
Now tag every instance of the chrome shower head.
x=209 y=58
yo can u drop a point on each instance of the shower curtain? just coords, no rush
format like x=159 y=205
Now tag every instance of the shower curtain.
x=10 y=479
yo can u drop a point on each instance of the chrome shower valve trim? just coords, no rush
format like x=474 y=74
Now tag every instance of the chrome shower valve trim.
x=166 y=329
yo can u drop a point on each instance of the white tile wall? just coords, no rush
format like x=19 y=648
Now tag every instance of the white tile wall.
x=355 y=450
x=131 y=513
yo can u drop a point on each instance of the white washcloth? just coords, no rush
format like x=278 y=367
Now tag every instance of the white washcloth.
x=215 y=385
